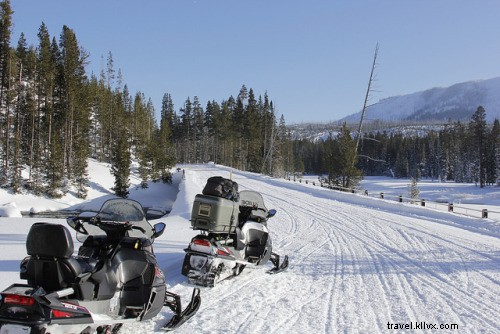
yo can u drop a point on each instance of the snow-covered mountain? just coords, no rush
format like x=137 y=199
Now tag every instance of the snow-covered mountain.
x=457 y=102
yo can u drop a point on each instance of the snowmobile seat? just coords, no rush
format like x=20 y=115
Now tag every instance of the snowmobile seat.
x=51 y=264
x=254 y=214
x=258 y=215
x=92 y=249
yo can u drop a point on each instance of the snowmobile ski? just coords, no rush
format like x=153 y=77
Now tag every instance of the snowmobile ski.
x=275 y=259
x=173 y=301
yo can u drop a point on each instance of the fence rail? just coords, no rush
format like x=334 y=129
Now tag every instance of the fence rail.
x=450 y=207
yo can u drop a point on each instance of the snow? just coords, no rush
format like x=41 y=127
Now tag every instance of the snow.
x=358 y=264
x=435 y=101
x=10 y=210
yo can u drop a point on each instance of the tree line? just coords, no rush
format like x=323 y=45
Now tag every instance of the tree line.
x=241 y=132
x=457 y=152
x=54 y=117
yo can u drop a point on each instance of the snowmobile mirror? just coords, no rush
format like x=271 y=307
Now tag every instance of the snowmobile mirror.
x=271 y=213
x=71 y=222
x=76 y=224
x=158 y=230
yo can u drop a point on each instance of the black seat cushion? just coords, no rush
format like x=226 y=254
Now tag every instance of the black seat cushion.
x=51 y=264
x=50 y=240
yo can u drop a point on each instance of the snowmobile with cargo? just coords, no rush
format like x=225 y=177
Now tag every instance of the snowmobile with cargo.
x=233 y=234
x=114 y=280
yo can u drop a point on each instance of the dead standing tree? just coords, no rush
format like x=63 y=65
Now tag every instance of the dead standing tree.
x=365 y=104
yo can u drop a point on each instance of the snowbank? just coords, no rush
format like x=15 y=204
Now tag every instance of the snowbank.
x=10 y=210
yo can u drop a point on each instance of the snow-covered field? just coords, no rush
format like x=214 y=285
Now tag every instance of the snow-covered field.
x=357 y=264
x=467 y=198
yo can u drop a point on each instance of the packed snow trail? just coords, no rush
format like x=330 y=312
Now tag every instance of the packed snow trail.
x=353 y=269
x=357 y=265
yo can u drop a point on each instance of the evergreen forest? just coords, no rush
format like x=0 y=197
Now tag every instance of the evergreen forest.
x=456 y=152
x=54 y=116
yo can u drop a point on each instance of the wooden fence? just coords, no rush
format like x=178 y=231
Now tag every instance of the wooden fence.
x=450 y=207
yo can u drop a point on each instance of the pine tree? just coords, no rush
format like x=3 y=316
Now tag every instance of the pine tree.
x=339 y=161
x=168 y=113
x=45 y=82
x=225 y=134
x=252 y=132
x=493 y=154
x=142 y=136
x=54 y=167
x=22 y=112
x=238 y=122
x=413 y=189
x=198 y=138
x=165 y=152
x=281 y=157
x=5 y=89
x=478 y=132
x=76 y=110
x=185 y=131
x=120 y=167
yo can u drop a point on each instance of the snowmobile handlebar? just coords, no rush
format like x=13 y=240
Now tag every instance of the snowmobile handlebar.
x=110 y=227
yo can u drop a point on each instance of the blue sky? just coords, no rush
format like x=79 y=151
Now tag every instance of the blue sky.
x=313 y=58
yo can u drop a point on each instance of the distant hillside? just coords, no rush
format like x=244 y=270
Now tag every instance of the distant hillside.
x=457 y=102
x=319 y=132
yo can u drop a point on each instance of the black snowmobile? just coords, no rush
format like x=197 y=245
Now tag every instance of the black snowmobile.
x=114 y=280
x=234 y=234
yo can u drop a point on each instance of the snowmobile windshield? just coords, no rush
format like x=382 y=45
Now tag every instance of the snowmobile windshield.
x=120 y=210
x=252 y=204
x=252 y=199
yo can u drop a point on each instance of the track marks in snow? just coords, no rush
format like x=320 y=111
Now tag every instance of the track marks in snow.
x=353 y=269
x=413 y=268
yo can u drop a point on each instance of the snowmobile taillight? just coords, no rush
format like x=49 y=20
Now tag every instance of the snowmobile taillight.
x=201 y=242
x=223 y=251
x=61 y=314
x=158 y=272
x=18 y=300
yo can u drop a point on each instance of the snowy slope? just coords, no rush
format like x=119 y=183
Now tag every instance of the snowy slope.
x=357 y=265
x=456 y=102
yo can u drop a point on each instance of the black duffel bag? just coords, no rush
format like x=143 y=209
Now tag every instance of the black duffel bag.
x=222 y=187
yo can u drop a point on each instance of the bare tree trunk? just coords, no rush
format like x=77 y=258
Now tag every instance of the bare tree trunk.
x=368 y=90
x=7 y=128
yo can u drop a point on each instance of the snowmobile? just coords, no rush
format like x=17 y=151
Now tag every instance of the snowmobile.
x=233 y=234
x=114 y=280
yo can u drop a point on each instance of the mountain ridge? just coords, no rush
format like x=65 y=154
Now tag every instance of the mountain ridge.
x=456 y=102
